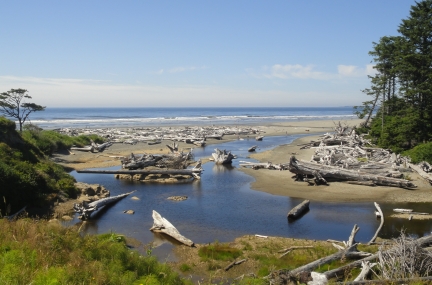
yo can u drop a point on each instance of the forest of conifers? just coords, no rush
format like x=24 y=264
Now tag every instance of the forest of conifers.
x=399 y=112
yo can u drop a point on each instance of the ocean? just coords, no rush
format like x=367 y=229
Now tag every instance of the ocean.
x=54 y=118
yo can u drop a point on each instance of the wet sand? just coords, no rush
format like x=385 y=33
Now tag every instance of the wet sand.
x=270 y=181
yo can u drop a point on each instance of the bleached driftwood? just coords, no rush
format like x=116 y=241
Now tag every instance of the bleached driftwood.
x=222 y=156
x=299 y=210
x=86 y=209
x=162 y=225
x=377 y=206
x=86 y=148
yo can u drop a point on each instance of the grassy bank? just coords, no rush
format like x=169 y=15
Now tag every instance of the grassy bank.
x=41 y=252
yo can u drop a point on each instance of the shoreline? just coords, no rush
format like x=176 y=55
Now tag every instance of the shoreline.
x=270 y=181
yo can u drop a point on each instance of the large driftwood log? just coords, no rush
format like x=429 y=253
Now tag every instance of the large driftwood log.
x=86 y=209
x=299 y=210
x=337 y=173
x=162 y=225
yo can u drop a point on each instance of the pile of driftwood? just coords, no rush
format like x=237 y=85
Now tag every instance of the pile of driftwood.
x=346 y=156
x=194 y=135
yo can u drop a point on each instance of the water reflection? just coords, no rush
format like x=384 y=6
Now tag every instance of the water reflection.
x=218 y=168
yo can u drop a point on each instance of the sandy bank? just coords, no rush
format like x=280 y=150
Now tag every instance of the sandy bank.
x=281 y=182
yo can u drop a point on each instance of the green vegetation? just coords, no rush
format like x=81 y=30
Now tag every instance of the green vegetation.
x=40 y=252
x=219 y=251
x=422 y=152
x=27 y=177
x=50 y=141
x=401 y=89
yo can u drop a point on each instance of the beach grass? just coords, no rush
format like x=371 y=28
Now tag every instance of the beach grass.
x=41 y=252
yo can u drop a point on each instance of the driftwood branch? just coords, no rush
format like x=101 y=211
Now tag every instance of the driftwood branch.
x=229 y=266
x=381 y=224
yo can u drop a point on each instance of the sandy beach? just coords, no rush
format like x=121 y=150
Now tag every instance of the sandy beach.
x=270 y=181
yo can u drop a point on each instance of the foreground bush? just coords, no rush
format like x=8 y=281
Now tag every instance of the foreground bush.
x=41 y=252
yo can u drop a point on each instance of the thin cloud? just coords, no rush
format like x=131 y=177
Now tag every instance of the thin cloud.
x=298 y=71
x=48 y=81
x=64 y=92
x=179 y=69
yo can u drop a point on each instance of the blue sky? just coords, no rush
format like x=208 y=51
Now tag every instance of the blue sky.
x=193 y=53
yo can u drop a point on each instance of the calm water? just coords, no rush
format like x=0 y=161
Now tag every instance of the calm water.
x=222 y=207
x=53 y=118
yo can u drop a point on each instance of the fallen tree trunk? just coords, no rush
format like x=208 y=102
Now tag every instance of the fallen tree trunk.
x=86 y=209
x=336 y=173
x=162 y=225
x=299 y=210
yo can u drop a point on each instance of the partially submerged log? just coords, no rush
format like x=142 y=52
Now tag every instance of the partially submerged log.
x=330 y=172
x=222 y=156
x=162 y=225
x=299 y=210
x=259 y=138
x=252 y=148
x=86 y=209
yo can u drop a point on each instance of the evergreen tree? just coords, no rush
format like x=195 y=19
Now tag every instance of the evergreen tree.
x=402 y=87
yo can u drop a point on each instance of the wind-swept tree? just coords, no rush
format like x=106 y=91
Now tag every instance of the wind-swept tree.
x=13 y=105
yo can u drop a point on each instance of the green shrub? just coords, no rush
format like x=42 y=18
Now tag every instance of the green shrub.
x=7 y=125
x=421 y=152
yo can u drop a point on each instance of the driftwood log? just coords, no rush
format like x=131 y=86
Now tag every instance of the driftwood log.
x=299 y=210
x=336 y=173
x=235 y=262
x=222 y=156
x=162 y=225
x=86 y=209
